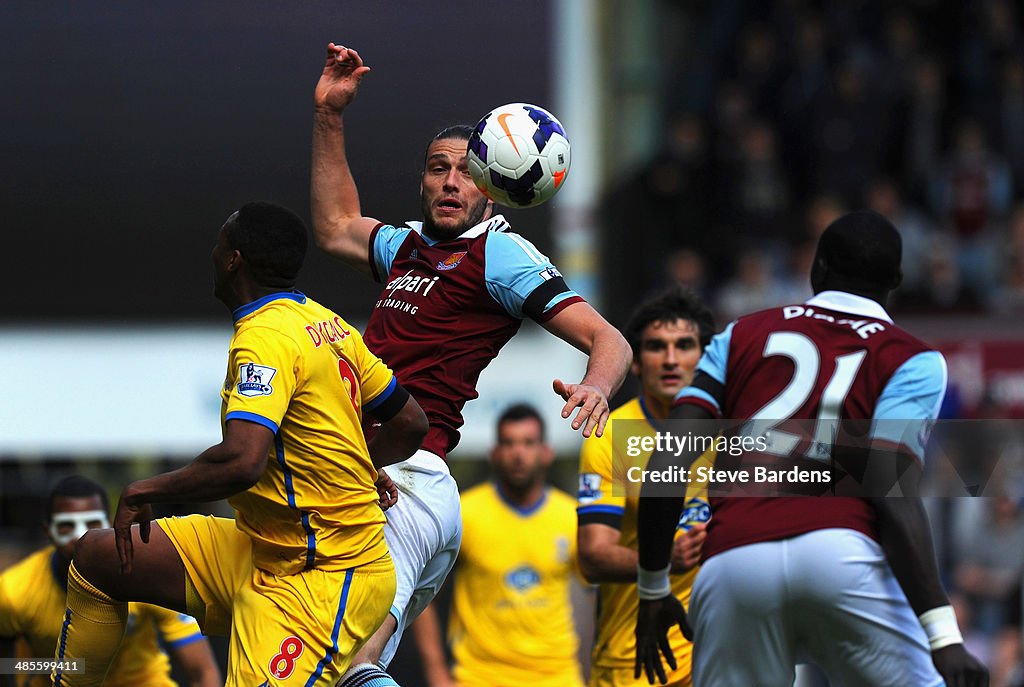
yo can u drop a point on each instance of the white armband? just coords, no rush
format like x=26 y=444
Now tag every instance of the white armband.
x=651 y=585
x=941 y=627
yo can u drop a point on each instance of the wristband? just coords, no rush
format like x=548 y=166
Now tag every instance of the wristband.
x=651 y=585
x=941 y=627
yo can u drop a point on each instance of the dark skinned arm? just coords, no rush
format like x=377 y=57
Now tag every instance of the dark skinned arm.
x=905 y=537
x=657 y=518
x=223 y=470
x=400 y=435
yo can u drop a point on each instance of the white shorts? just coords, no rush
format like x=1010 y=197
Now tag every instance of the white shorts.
x=828 y=596
x=423 y=531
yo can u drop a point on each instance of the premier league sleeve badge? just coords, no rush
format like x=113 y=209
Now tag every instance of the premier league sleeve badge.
x=254 y=379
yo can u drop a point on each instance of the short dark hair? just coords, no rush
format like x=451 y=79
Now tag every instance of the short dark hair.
x=457 y=131
x=520 y=411
x=272 y=239
x=674 y=303
x=76 y=486
x=864 y=249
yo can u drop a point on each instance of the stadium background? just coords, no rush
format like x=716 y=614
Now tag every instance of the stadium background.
x=712 y=141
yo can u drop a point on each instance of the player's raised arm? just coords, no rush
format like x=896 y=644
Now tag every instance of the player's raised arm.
x=583 y=327
x=338 y=225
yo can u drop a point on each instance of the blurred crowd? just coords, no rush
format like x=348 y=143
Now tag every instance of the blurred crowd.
x=912 y=108
x=979 y=542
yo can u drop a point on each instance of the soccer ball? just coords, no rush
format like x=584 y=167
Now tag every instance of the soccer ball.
x=518 y=155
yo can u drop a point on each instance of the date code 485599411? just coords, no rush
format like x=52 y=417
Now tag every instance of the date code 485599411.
x=38 y=666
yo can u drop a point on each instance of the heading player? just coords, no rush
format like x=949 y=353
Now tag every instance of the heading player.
x=823 y=586
x=301 y=577
x=457 y=287
x=32 y=596
x=667 y=334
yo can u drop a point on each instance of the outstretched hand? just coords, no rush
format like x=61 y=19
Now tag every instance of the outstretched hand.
x=128 y=512
x=592 y=402
x=343 y=71
x=653 y=622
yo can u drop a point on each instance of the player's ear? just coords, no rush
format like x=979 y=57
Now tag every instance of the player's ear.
x=488 y=210
x=235 y=260
x=547 y=455
x=819 y=273
x=896 y=280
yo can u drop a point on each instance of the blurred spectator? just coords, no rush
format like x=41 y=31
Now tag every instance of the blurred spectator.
x=942 y=290
x=992 y=563
x=753 y=288
x=990 y=37
x=796 y=280
x=758 y=68
x=923 y=117
x=917 y=231
x=815 y=105
x=899 y=53
x=1010 y=116
x=821 y=212
x=850 y=132
x=1006 y=666
x=732 y=112
x=971 y=193
x=664 y=206
x=807 y=80
x=754 y=194
x=686 y=268
x=675 y=185
x=1009 y=299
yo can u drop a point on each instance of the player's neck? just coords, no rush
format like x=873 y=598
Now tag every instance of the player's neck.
x=655 y=407
x=62 y=566
x=880 y=296
x=244 y=294
x=523 y=498
x=432 y=233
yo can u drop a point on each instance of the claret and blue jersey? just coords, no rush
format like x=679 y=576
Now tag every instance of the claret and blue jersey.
x=448 y=307
x=837 y=356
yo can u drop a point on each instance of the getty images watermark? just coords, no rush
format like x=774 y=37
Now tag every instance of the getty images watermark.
x=719 y=445
x=820 y=458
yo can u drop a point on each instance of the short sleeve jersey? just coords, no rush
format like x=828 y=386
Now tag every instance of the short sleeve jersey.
x=300 y=370
x=511 y=620
x=599 y=501
x=448 y=307
x=32 y=607
x=837 y=356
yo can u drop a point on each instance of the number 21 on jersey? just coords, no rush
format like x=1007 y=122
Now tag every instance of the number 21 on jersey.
x=807 y=368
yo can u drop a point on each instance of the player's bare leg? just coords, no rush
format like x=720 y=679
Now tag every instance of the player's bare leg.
x=157 y=576
x=98 y=590
x=365 y=669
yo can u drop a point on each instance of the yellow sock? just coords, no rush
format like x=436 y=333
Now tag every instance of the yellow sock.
x=91 y=634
